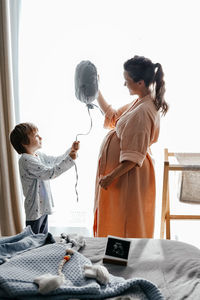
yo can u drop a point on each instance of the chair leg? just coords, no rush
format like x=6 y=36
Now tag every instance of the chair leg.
x=168 y=232
x=164 y=198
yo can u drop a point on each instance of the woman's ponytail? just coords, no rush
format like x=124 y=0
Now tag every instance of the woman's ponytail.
x=160 y=102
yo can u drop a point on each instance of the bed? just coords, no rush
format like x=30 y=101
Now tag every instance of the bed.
x=166 y=269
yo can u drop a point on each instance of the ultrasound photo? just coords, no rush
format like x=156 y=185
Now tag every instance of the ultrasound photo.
x=117 y=248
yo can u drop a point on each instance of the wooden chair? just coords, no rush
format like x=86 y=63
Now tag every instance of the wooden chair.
x=166 y=217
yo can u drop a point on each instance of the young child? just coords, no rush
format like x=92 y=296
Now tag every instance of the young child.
x=36 y=169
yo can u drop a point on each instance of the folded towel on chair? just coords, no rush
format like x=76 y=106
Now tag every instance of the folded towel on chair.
x=189 y=190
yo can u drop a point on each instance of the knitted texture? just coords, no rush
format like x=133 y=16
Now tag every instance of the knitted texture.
x=17 y=277
x=24 y=241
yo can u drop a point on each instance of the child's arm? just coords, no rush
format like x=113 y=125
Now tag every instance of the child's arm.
x=57 y=159
x=37 y=167
x=34 y=167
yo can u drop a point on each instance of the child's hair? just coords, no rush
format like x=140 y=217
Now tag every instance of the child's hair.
x=19 y=136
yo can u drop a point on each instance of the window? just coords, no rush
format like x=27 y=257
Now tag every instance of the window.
x=55 y=35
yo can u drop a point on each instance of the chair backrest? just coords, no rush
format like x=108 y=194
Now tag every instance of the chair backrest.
x=189 y=165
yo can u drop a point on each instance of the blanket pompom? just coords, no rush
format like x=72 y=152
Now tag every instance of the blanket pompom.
x=49 y=282
x=97 y=271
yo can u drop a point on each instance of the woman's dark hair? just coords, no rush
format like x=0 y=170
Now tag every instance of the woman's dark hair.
x=19 y=136
x=141 y=68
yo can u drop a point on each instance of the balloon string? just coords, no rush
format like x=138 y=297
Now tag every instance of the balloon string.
x=76 y=181
x=90 y=125
x=76 y=169
x=92 y=105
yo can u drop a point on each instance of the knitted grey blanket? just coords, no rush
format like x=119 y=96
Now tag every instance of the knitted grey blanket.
x=24 y=241
x=17 y=278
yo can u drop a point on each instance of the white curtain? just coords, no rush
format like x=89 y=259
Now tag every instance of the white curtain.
x=10 y=204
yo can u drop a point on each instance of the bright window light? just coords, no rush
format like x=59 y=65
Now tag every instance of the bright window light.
x=55 y=35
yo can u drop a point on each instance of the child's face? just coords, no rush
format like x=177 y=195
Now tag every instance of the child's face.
x=35 y=141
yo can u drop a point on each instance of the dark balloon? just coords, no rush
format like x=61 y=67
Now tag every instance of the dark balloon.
x=86 y=82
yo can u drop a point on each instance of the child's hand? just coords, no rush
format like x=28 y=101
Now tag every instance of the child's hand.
x=73 y=154
x=76 y=145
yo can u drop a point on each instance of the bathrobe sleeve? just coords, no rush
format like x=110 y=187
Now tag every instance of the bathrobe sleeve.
x=135 y=137
x=111 y=115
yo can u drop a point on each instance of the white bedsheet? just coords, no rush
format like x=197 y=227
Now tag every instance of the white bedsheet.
x=173 y=266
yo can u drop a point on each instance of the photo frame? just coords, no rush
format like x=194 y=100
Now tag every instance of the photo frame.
x=117 y=250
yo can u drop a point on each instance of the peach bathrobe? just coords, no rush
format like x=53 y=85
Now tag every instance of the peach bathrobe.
x=127 y=207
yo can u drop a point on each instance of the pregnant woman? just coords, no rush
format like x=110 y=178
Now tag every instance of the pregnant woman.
x=125 y=183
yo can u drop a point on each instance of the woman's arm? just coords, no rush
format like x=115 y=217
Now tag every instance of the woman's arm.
x=102 y=102
x=120 y=170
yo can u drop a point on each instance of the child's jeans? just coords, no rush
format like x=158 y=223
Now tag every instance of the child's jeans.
x=40 y=225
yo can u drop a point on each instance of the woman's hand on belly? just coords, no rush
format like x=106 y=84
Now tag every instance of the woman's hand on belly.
x=121 y=169
x=105 y=181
